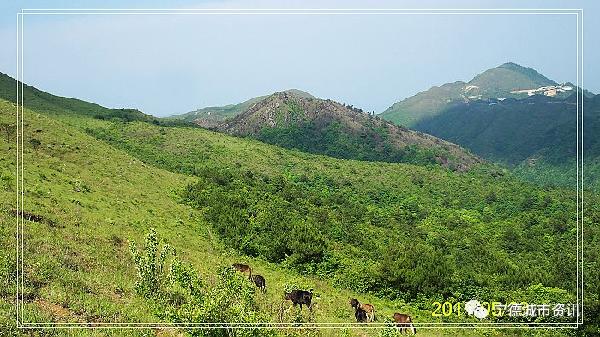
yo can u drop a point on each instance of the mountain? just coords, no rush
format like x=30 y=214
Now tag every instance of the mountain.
x=507 y=131
x=514 y=116
x=536 y=135
x=508 y=80
x=505 y=79
x=327 y=127
x=211 y=116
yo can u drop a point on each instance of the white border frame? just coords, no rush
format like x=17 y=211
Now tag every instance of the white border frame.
x=313 y=11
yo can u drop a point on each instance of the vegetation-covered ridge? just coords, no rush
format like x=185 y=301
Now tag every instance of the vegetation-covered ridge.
x=393 y=230
x=49 y=104
x=211 y=116
x=537 y=136
x=334 y=129
x=84 y=200
x=513 y=116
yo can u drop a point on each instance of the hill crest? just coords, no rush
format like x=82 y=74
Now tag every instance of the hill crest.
x=328 y=127
x=508 y=80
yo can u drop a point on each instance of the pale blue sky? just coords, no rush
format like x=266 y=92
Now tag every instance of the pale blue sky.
x=172 y=64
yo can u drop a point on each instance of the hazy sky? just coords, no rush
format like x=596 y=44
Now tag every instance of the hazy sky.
x=170 y=64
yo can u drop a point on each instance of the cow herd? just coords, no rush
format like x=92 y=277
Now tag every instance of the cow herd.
x=363 y=312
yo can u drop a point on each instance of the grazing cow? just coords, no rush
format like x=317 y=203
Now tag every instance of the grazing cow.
x=368 y=308
x=360 y=315
x=244 y=268
x=300 y=297
x=259 y=281
x=404 y=323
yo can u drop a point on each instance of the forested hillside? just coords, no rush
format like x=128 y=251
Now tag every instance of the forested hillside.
x=513 y=116
x=537 y=135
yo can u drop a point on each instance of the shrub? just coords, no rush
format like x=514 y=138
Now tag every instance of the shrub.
x=416 y=269
x=150 y=265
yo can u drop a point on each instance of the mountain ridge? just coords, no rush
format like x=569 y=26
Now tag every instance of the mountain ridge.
x=328 y=127
x=508 y=80
x=212 y=115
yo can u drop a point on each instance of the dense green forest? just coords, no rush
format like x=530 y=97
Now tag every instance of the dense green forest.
x=332 y=140
x=537 y=135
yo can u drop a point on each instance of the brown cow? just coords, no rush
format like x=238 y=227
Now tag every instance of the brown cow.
x=404 y=322
x=244 y=268
x=368 y=308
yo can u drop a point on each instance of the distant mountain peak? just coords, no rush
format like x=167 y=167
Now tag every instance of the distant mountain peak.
x=299 y=93
x=508 y=80
x=521 y=69
x=512 y=65
x=510 y=76
x=211 y=116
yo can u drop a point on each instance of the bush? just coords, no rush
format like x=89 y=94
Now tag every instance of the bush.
x=150 y=265
x=178 y=294
x=416 y=269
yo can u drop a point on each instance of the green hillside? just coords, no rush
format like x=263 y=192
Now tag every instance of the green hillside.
x=424 y=104
x=399 y=236
x=90 y=199
x=513 y=116
x=536 y=135
x=62 y=106
x=554 y=163
x=506 y=131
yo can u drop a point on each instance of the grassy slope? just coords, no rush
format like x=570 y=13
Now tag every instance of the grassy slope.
x=424 y=104
x=97 y=197
x=77 y=265
x=62 y=106
x=90 y=279
x=463 y=195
